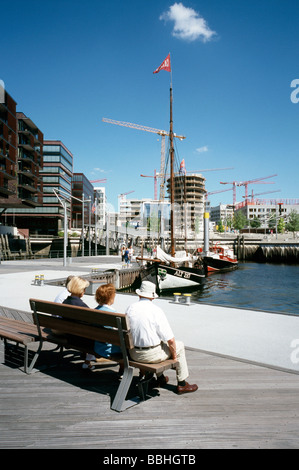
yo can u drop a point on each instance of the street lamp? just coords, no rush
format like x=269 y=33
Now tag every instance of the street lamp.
x=65 y=238
x=63 y=203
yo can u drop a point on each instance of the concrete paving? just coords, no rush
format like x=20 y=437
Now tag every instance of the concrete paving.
x=265 y=338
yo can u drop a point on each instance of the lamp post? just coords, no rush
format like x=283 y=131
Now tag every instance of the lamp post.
x=65 y=238
x=63 y=203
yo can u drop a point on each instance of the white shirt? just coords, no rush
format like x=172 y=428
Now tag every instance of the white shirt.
x=149 y=325
x=62 y=296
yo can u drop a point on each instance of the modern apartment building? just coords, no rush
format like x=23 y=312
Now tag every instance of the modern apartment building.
x=223 y=213
x=57 y=175
x=47 y=218
x=100 y=201
x=8 y=148
x=82 y=189
x=21 y=158
x=268 y=211
x=130 y=210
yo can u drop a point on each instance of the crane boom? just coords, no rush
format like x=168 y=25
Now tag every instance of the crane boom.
x=141 y=128
x=98 y=181
x=160 y=132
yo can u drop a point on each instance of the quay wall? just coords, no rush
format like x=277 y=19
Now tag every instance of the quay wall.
x=267 y=251
x=246 y=247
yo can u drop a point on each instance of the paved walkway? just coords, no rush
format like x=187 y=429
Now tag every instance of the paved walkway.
x=255 y=336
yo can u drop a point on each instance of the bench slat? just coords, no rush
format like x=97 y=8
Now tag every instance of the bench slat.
x=87 y=315
x=156 y=368
x=106 y=335
x=19 y=331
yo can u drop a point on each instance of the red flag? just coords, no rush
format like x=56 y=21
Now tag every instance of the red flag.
x=165 y=65
x=182 y=168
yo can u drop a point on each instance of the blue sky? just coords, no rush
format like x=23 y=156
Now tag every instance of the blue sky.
x=69 y=63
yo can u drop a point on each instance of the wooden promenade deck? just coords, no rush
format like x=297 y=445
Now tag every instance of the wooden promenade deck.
x=237 y=405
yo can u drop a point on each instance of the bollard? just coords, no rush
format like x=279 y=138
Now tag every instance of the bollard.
x=187 y=299
x=41 y=279
x=36 y=280
x=176 y=297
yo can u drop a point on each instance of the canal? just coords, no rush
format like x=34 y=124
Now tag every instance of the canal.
x=258 y=286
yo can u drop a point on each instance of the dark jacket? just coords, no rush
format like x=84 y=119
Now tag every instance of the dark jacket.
x=73 y=300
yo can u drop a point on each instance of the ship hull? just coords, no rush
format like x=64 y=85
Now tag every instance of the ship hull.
x=168 y=278
x=218 y=264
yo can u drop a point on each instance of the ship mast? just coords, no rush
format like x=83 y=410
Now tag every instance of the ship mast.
x=172 y=247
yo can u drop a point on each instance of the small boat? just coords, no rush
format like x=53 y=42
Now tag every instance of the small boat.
x=219 y=258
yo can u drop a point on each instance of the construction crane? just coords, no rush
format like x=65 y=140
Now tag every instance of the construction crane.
x=99 y=181
x=159 y=175
x=216 y=192
x=246 y=183
x=160 y=132
x=156 y=175
x=124 y=194
x=259 y=194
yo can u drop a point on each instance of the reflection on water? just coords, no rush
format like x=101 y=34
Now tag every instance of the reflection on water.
x=272 y=287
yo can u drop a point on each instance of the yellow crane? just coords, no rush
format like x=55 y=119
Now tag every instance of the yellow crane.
x=160 y=132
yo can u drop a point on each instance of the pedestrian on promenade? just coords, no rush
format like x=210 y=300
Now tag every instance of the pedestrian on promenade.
x=153 y=338
x=127 y=257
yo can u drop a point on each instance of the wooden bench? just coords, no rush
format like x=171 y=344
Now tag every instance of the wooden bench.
x=76 y=325
x=25 y=333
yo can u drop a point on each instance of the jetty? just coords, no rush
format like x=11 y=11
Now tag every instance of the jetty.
x=244 y=362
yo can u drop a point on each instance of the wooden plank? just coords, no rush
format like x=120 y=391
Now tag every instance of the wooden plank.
x=237 y=406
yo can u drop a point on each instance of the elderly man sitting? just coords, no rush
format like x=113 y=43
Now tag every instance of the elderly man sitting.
x=153 y=337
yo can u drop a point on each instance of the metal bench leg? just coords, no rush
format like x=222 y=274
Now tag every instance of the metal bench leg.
x=28 y=367
x=120 y=403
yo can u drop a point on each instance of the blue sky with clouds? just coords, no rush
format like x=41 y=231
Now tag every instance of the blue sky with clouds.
x=70 y=63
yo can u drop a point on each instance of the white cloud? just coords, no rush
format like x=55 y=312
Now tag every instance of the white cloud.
x=188 y=24
x=98 y=170
x=202 y=149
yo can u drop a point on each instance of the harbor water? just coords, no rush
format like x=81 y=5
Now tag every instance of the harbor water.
x=258 y=286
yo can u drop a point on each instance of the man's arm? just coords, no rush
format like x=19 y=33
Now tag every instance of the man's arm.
x=172 y=347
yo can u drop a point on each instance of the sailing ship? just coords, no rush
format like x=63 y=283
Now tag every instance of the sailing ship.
x=173 y=271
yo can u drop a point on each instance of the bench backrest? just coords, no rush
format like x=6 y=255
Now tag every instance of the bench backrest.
x=83 y=322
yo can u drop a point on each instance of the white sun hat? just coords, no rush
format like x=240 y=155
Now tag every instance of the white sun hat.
x=147 y=289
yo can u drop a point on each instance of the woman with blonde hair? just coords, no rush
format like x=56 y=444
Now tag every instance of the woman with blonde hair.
x=76 y=287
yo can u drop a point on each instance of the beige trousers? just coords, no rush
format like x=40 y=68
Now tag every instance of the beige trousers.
x=161 y=353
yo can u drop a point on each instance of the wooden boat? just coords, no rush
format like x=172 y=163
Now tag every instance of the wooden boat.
x=172 y=273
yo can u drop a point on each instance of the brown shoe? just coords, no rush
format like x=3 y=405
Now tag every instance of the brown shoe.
x=186 y=388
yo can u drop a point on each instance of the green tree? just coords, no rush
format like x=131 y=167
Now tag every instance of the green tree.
x=240 y=220
x=255 y=222
x=293 y=222
x=220 y=226
x=281 y=226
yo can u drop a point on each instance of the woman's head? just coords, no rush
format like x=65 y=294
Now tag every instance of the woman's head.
x=77 y=286
x=105 y=294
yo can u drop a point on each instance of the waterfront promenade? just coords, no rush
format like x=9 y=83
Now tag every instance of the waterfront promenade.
x=242 y=361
